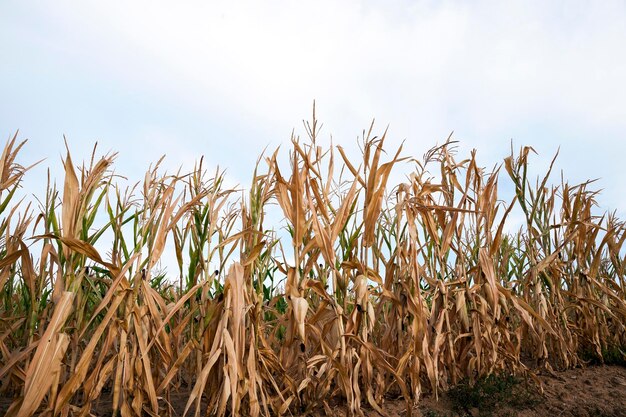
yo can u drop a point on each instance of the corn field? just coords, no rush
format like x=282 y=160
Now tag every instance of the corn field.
x=363 y=292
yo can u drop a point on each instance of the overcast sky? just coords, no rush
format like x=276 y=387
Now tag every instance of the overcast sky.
x=226 y=79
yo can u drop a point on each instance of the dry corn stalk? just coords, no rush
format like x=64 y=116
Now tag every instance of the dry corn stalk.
x=378 y=290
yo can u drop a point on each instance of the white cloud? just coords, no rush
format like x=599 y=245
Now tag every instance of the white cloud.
x=545 y=74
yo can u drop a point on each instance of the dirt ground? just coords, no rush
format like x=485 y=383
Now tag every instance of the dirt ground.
x=595 y=391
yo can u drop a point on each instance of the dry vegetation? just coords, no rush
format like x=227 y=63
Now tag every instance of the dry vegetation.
x=376 y=292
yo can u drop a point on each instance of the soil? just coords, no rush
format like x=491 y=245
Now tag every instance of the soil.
x=594 y=391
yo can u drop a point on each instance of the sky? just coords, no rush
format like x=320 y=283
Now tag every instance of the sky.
x=228 y=79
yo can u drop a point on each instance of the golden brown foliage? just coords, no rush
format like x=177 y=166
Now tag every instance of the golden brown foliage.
x=377 y=291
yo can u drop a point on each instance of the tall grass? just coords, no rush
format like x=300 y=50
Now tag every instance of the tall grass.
x=376 y=290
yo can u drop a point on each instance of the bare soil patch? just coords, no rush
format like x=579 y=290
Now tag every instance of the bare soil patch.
x=595 y=391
